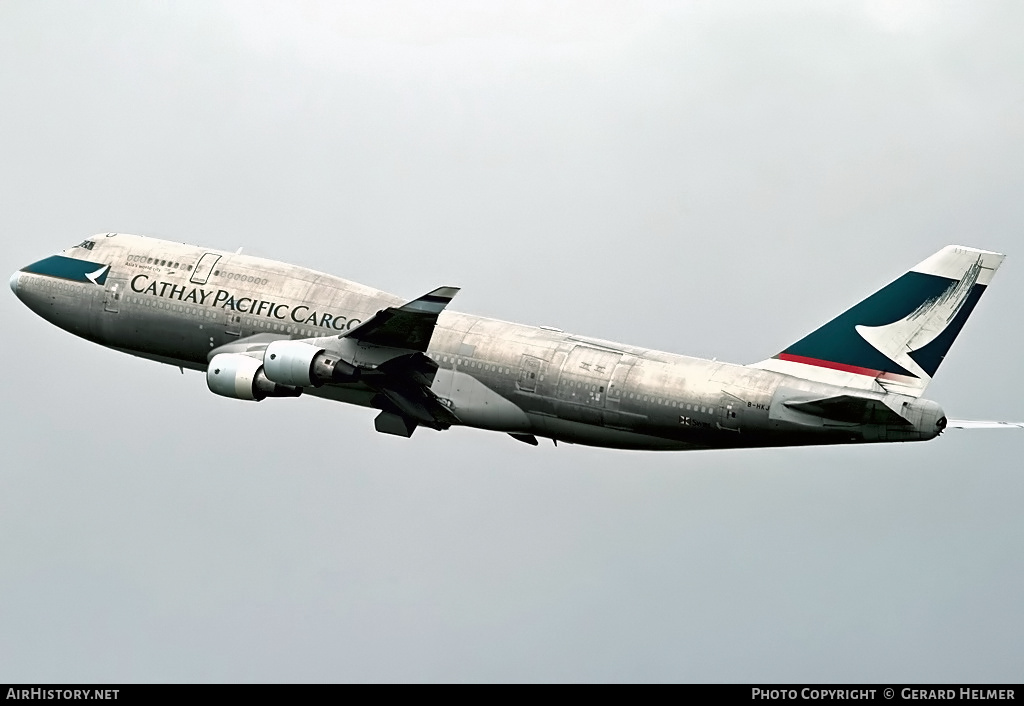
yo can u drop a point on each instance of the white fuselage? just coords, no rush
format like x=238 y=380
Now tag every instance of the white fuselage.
x=180 y=304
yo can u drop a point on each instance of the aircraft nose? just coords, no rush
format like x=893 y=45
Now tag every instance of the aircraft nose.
x=14 y=282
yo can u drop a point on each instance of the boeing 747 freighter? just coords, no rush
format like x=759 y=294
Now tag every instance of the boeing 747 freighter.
x=263 y=329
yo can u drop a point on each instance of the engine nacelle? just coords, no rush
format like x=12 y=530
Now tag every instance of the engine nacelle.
x=241 y=377
x=300 y=364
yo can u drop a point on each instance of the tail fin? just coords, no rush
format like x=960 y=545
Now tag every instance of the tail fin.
x=895 y=340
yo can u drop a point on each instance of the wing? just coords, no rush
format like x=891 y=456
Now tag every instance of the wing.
x=409 y=326
x=401 y=376
x=403 y=381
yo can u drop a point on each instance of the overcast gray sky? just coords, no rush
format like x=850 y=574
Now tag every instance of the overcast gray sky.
x=714 y=179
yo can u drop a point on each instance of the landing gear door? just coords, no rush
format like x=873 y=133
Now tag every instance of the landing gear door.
x=112 y=295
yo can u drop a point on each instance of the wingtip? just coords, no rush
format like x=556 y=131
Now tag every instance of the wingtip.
x=444 y=292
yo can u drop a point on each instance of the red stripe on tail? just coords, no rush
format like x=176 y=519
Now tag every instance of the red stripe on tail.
x=829 y=364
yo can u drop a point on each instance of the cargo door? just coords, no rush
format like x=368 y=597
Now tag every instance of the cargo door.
x=583 y=383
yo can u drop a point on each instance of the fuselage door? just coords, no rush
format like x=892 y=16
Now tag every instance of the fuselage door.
x=730 y=412
x=203 y=268
x=233 y=325
x=618 y=382
x=529 y=370
x=112 y=295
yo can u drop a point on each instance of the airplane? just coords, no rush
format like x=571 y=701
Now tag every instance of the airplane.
x=263 y=329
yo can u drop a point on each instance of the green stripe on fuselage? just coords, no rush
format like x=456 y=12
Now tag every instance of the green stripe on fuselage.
x=69 y=268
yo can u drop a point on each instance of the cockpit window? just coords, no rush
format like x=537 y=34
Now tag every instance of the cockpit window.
x=86 y=244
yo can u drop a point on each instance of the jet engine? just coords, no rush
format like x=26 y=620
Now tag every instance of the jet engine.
x=301 y=364
x=241 y=377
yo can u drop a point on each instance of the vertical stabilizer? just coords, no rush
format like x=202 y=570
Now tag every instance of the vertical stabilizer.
x=895 y=340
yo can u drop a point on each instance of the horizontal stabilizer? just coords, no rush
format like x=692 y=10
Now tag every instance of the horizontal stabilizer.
x=409 y=326
x=849 y=408
x=971 y=424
